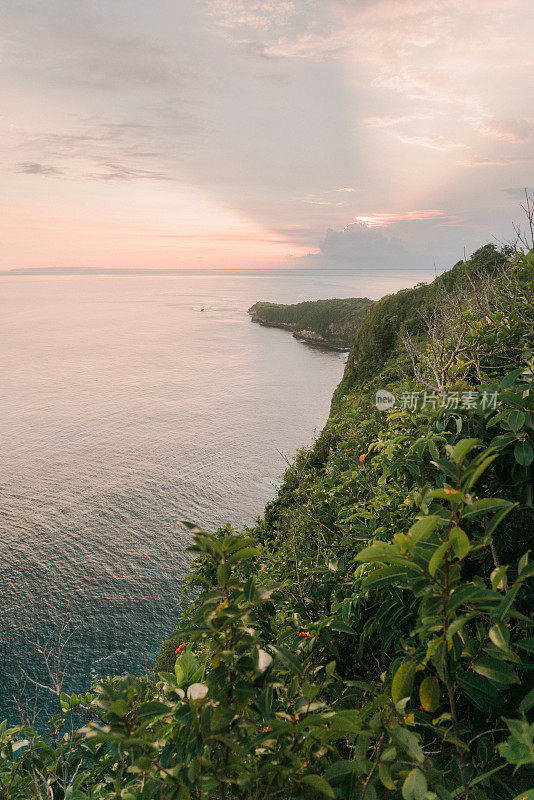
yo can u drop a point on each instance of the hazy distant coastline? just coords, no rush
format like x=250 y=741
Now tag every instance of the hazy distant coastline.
x=156 y=271
x=114 y=271
x=32 y=271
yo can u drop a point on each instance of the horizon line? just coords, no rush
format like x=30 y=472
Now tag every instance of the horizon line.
x=28 y=271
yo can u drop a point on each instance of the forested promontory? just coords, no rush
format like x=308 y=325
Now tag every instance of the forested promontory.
x=329 y=323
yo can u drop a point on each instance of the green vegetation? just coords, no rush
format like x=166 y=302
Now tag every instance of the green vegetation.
x=377 y=351
x=371 y=637
x=331 y=323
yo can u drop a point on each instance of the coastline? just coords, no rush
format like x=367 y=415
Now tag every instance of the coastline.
x=329 y=324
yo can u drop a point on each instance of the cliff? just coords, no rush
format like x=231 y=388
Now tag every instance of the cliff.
x=328 y=323
x=371 y=636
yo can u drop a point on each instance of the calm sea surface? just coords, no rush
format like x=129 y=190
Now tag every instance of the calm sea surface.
x=129 y=403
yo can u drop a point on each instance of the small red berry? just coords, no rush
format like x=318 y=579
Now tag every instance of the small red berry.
x=305 y=635
x=363 y=456
x=179 y=648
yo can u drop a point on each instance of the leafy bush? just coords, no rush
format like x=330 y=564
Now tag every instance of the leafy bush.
x=371 y=637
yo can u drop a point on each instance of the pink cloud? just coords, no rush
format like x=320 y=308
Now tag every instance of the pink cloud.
x=259 y=15
x=512 y=131
x=430 y=142
x=437 y=53
x=482 y=161
x=385 y=122
x=383 y=220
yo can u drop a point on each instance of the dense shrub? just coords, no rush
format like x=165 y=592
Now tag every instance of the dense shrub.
x=371 y=637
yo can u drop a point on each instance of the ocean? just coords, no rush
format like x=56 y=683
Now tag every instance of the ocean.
x=129 y=403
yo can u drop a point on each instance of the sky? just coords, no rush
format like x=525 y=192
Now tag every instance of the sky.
x=249 y=134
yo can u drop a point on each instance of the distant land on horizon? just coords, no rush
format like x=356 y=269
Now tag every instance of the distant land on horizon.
x=114 y=270
x=178 y=271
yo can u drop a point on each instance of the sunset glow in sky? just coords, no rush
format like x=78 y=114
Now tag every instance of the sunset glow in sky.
x=241 y=133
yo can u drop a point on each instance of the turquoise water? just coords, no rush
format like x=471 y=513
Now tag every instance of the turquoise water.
x=129 y=403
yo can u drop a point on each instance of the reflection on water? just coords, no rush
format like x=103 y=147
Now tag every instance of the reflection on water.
x=124 y=409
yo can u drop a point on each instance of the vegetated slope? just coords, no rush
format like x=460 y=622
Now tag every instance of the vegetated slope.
x=371 y=637
x=330 y=323
x=378 y=342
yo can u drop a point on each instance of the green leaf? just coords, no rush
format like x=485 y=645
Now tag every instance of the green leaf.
x=384 y=576
x=485 y=506
x=422 y=529
x=524 y=453
x=526 y=644
x=457 y=624
x=339 y=769
x=341 y=627
x=510 y=378
x=151 y=710
x=479 y=691
x=415 y=786
x=243 y=555
x=402 y=683
x=516 y=400
x=193 y=527
x=500 y=636
x=527 y=702
x=360 y=749
x=185 y=667
x=452 y=496
x=498 y=578
x=525 y=795
x=318 y=783
x=470 y=593
x=429 y=693
x=287 y=658
x=118 y=707
x=221 y=718
x=495 y=670
x=385 y=776
x=433 y=450
x=485 y=775
x=484 y=464
x=375 y=552
x=409 y=742
x=445 y=466
x=495 y=419
x=223 y=573
x=516 y=420
x=518 y=749
x=507 y=601
x=523 y=562
x=438 y=556
x=460 y=543
x=500 y=442
x=496 y=520
x=526 y=572
x=460 y=450
x=249 y=589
